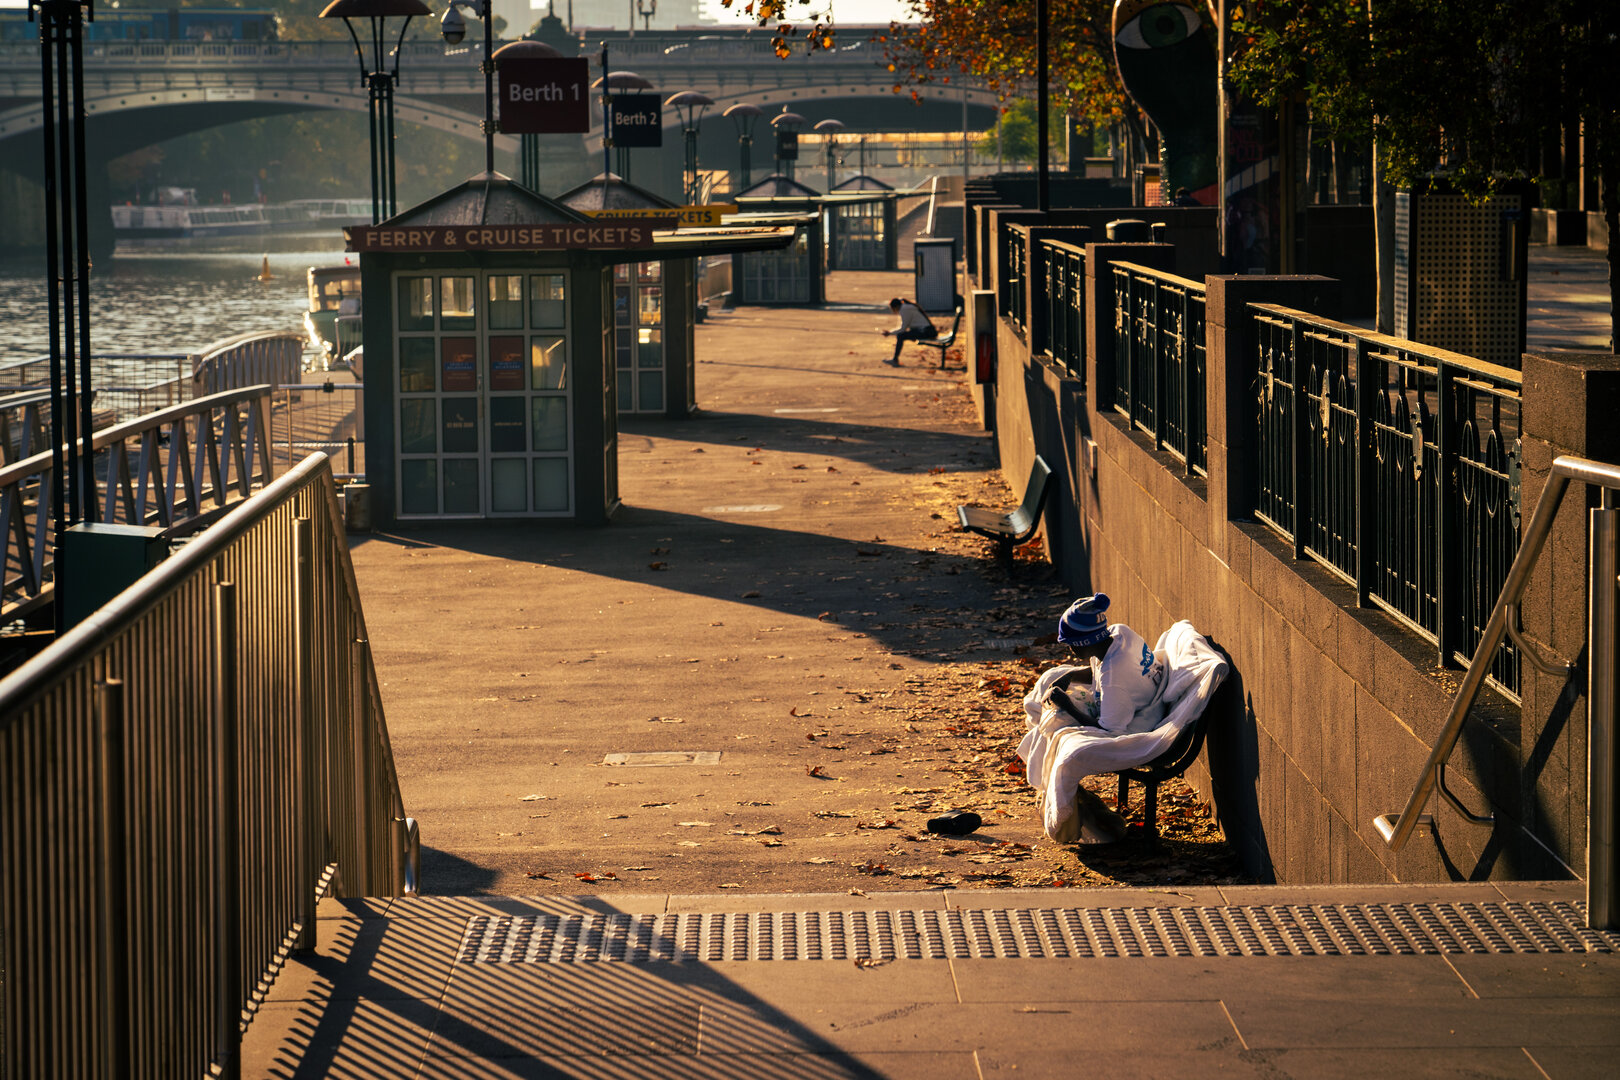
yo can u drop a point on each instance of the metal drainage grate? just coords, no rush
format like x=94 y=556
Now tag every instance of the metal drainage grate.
x=1269 y=930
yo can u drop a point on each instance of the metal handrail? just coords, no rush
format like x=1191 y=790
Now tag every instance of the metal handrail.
x=185 y=773
x=1396 y=830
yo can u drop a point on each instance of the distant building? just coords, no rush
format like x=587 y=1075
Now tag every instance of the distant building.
x=603 y=13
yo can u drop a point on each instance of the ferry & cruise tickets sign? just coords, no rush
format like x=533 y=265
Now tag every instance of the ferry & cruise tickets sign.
x=606 y=236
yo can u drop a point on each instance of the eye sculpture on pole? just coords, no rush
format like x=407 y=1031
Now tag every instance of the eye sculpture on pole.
x=379 y=79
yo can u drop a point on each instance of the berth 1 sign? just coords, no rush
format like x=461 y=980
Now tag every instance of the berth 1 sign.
x=544 y=95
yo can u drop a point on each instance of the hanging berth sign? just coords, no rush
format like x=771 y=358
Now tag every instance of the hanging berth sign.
x=544 y=95
x=637 y=119
x=607 y=236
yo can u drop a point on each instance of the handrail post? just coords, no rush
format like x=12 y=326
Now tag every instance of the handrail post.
x=1602 y=871
x=359 y=726
x=1449 y=608
x=1366 y=472
x=303 y=740
x=227 y=845
x=1300 y=439
x=115 y=878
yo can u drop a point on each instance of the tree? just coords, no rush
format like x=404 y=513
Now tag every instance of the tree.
x=994 y=41
x=1464 y=89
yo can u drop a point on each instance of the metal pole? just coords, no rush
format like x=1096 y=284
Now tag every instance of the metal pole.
x=1603 y=761
x=227 y=841
x=1043 y=200
x=489 y=86
x=81 y=227
x=60 y=447
x=115 y=880
x=307 y=827
x=360 y=742
x=607 y=114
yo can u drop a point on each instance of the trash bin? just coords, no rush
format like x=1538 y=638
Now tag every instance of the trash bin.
x=934 y=268
x=1129 y=231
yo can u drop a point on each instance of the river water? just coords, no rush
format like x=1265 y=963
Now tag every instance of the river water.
x=168 y=300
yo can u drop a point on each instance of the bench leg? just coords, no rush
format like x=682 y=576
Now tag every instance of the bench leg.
x=1150 y=816
x=1123 y=799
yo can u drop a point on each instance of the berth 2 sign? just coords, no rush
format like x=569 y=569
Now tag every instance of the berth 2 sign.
x=544 y=95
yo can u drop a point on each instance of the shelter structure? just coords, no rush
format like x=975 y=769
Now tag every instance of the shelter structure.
x=863 y=225
x=489 y=391
x=654 y=307
x=794 y=275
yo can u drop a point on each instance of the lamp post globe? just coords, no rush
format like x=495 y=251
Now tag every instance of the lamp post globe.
x=689 y=106
x=743 y=117
x=379 y=79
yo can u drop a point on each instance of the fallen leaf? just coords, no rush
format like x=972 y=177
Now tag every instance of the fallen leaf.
x=818 y=862
x=638 y=868
x=773 y=843
x=533 y=798
x=731 y=885
x=665 y=720
x=695 y=824
x=688 y=843
x=658 y=566
x=856 y=892
x=867 y=961
x=816 y=771
x=533 y=875
x=659 y=551
x=750 y=594
x=769 y=830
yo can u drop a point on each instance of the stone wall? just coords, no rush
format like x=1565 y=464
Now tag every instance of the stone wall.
x=1337 y=706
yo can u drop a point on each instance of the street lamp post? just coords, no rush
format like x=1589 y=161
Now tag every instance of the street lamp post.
x=789 y=123
x=831 y=128
x=690 y=105
x=379 y=80
x=454 y=28
x=743 y=117
x=646 y=9
x=616 y=80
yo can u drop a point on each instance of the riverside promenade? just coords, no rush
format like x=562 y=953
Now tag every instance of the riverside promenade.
x=673 y=777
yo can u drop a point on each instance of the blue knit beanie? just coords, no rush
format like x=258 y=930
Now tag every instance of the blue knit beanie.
x=1085 y=623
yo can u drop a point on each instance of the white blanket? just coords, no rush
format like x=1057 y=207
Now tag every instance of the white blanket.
x=1057 y=752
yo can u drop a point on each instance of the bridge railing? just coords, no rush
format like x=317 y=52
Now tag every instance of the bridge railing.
x=178 y=468
x=1393 y=464
x=24 y=420
x=183 y=775
x=247 y=360
x=1062 y=291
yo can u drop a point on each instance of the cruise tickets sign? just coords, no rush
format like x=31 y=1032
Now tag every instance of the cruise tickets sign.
x=544 y=95
x=674 y=217
x=606 y=236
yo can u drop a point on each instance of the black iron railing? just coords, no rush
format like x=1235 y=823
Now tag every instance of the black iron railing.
x=1159 y=375
x=1015 y=281
x=1393 y=464
x=1064 y=301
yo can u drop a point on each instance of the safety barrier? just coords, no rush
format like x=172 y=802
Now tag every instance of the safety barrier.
x=177 y=468
x=247 y=360
x=1159 y=363
x=182 y=776
x=1393 y=464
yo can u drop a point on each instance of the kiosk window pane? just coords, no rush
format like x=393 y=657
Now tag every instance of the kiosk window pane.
x=550 y=423
x=623 y=393
x=551 y=483
x=506 y=363
x=621 y=272
x=652 y=390
x=456 y=304
x=652 y=305
x=650 y=271
x=461 y=486
x=621 y=304
x=419 y=487
x=506 y=302
x=416 y=303
x=508 y=486
x=416 y=365
x=548 y=363
x=459 y=363
x=650 y=350
x=460 y=425
x=547 y=301
x=507 y=434
x=418 y=433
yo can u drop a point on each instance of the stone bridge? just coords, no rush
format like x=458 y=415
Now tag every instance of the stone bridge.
x=140 y=93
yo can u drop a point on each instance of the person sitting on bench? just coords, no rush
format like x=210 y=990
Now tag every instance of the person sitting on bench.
x=1127 y=677
x=914 y=326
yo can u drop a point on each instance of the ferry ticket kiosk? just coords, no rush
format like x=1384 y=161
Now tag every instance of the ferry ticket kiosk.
x=490 y=387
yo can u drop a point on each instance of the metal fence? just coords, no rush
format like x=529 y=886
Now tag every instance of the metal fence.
x=247 y=360
x=177 y=468
x=1064 y=300
x=1393 y=464
x=327 y=417
x=1014 y=243
x=181 y=777
x=1159 y=371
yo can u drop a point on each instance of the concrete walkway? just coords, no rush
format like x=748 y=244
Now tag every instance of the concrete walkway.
x=776 y=614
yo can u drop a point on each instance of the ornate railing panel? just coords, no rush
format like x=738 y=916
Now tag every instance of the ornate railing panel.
x=1064 y=302
x=1393 y=464
x=182 y=775
x=1015 y=285
x=177 y=468
x=1159 y=373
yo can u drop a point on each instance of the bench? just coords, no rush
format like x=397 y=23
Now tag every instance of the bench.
x=945 y=341
x=1172 y=763
x=1011 y=529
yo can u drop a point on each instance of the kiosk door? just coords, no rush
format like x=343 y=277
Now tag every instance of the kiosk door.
x=483 y=394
